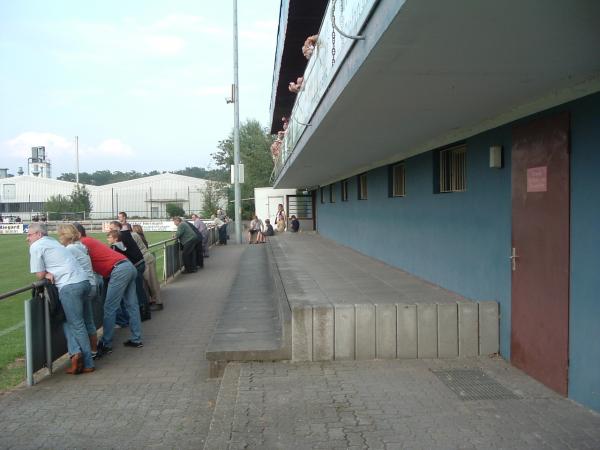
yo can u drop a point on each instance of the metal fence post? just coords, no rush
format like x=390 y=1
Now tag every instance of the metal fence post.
x=28 y=344
x=164 y=262
x=48 y=335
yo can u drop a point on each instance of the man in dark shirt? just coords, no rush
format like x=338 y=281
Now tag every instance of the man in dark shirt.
x=189 y=241
x=121 y=285
x=268 y=228
x=134 y=254
x=294 y=224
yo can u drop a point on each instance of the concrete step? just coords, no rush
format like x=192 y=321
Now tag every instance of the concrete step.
x=255 y=325
x=346 y=305
x=388 y=331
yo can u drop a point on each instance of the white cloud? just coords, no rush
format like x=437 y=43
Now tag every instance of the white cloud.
x=112 y=147
x=20 y=146
x=260 y=34
x=178 y=22
x=59 y=147
x=164 y=45
x=207 y=91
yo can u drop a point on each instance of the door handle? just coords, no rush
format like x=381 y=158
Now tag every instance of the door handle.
x=513 y=258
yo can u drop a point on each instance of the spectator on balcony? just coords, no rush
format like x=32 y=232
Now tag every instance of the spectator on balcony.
x=70 y=238
x=50 y=260
x=119 y=275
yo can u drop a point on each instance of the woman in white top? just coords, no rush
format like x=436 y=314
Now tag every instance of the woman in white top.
x=280 y=219
x=69 y=237
x=256 y=227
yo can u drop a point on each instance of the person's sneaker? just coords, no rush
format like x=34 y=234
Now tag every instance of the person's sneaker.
x=130 y=343
x=156 y=307
x=103 y=349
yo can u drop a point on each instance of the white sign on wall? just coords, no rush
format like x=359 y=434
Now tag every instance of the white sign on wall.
x=11 y=228
x=147 y=225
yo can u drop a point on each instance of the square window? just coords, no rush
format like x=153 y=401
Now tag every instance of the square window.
x=344 y=189
x=453 y=169
x=397 y=180
x=362 y=186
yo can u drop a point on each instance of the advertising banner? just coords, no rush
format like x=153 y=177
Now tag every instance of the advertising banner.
x=147 y=225
x=12 y=228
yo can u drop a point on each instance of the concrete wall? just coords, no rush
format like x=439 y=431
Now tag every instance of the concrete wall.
x=389 y=331
x=462 y=241
x=584 y=317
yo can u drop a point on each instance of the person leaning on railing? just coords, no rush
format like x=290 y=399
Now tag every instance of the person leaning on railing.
x=50 y=260
x=119 y=274
x=203 y=229
x=188 y=240
x=134 y=254
x=69 y=237
x=150 y=273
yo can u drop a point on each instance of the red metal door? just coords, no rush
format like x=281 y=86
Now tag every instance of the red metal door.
x=540 y=240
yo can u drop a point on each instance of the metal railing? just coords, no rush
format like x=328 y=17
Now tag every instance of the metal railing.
x=44 y=337
x=331 y=49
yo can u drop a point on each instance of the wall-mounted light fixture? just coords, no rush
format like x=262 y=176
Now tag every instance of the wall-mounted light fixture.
x=496 y=157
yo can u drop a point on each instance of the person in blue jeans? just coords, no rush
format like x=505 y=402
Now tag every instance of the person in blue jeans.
x=121 y=286
x=50 y=260
x=121 y=275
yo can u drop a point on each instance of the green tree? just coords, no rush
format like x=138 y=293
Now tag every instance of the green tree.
x=173 y=210
x=102 y=177
x=57 y=206
x=213 y=196
x=206 y=174
x=81 y=201
x=255 y=154
x=76 y=205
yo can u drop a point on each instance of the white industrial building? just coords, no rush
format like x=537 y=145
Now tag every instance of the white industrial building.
x=147 y=197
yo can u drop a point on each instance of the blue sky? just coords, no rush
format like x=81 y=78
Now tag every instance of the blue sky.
x=142 y=83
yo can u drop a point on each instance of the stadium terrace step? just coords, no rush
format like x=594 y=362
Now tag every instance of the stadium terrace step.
x=256 y=322
x=348 y=306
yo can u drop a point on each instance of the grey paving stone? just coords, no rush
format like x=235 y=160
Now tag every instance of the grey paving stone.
x=401 y=404
x=155 y=397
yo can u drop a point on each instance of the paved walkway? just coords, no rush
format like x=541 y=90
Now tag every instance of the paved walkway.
x=395 y=404
x=315 y=270
x=155 y=397
x=159 y=396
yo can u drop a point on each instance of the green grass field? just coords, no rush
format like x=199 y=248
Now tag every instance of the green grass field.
x=14 y=274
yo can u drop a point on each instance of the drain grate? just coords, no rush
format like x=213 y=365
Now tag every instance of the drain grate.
x=473 y=384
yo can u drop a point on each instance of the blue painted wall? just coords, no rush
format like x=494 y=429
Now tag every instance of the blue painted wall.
x=462 y=241
x=584 y=319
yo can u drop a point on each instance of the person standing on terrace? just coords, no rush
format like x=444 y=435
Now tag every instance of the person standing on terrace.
x=280 y=219
x=187 y=239
x=123 y=221
x=50 y=260
x=70 y=238
x=120 y=274
x=202 y=228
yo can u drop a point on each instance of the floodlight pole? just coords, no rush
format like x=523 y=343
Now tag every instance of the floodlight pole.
x=236 y=132
x=77 y=161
